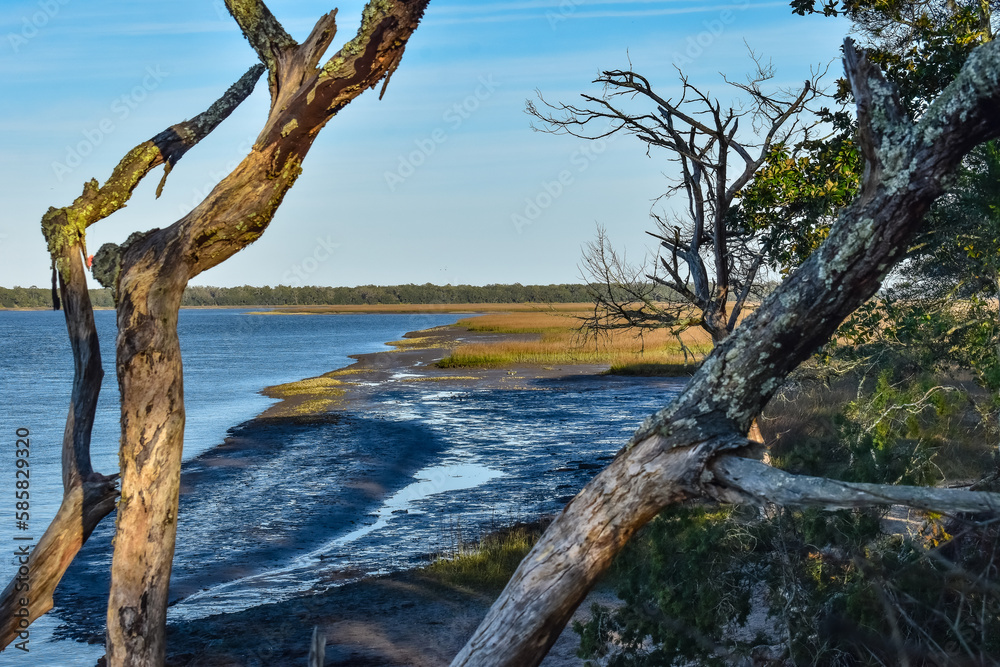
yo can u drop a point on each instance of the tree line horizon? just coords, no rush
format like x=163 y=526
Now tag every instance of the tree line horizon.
x=284 y=295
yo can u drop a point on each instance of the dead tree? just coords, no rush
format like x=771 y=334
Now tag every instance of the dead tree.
x=149 y=273
x=706 y=260
x=89 y=496
x=696 y=447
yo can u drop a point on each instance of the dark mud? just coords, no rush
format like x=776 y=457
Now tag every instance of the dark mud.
x=303 y=520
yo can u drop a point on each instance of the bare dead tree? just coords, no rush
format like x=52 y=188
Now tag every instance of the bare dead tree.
x=706 y=260
x=696 y=447
x=149 y=273
x=89 y=496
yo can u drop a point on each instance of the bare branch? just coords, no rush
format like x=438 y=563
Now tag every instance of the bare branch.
x=738 y=479
x=89 y=496
x=265 y=34
x=701 y=137
x=669 y=457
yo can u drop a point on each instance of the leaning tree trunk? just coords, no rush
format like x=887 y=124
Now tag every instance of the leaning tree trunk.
x=89 y=496
x=153 y=270
x=692 y=447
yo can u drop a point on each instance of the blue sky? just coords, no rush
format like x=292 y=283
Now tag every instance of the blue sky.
x=431 y=184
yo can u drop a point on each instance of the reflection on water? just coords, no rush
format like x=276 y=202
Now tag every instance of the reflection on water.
x=430 y=481
x=493 y=457
x=305 y=573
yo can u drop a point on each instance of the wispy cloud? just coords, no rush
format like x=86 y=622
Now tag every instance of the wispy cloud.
x=495 y=13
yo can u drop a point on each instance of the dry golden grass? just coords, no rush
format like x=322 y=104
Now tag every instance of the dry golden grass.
x=425 y=308
x=418 y=342
x=324 y=385
x=558 y=341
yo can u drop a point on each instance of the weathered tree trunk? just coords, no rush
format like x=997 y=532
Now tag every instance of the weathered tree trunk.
x=677 y=452
x=155 y=268
x=89 y=496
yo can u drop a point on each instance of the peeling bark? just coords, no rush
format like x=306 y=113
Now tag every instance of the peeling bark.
x=740 y=480
x=156 y=268
x=89 y=496
x=671 y=456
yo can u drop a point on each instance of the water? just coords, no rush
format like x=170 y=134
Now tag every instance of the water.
x=499 y=456
x=305 y=507
x=228 y=357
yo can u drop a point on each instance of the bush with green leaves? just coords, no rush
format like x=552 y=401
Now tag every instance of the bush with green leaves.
x=711 y=586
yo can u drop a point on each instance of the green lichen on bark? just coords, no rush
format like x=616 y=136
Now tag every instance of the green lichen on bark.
x=283 y=182
x=261 y=29
x=107 y=264
x=64 y=229
x=342 y=64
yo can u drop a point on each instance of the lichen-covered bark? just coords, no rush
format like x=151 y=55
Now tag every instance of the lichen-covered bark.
x=669 y=457
x=89 y=496
x=736 y=479
x=154 y=270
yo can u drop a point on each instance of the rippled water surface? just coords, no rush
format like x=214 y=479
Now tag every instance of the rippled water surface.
x=228 y=357
x=287 y=507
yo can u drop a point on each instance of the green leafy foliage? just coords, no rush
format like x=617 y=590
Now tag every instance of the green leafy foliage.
x=713 y=587
x=682 y=586
x=796 y=195
x=920 y=45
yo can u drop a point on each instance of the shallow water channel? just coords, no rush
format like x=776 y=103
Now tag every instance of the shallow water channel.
x=288 y=507
x=316 y=505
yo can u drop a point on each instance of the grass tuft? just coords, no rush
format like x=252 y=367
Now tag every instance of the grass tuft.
x=488 y=564
x=552 y=338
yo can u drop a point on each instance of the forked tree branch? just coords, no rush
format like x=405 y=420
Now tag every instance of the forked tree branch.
x=266 y=35
x=89 y=496
x=155 y=268
x=670 y=457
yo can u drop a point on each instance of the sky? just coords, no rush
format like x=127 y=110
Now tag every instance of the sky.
x=442 y=181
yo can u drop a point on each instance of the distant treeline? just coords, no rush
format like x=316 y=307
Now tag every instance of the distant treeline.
x=36 y=297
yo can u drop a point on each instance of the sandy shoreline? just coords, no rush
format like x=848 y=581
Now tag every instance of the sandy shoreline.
x=405 y=618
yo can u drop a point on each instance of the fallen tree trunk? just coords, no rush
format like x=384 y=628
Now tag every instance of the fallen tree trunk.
x=686 y=449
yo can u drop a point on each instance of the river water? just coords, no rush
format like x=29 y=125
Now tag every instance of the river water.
x=304 y=506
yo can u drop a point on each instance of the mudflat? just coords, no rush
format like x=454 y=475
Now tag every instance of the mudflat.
x=404 y=618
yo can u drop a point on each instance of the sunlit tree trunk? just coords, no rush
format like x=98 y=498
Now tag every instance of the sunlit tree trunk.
x=693 y=447
x=155 y=268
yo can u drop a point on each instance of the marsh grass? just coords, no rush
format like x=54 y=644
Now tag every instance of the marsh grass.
x=423 y=308
x=417 y=342
x=551 y=338
x=487 y=565
x=323 y=385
